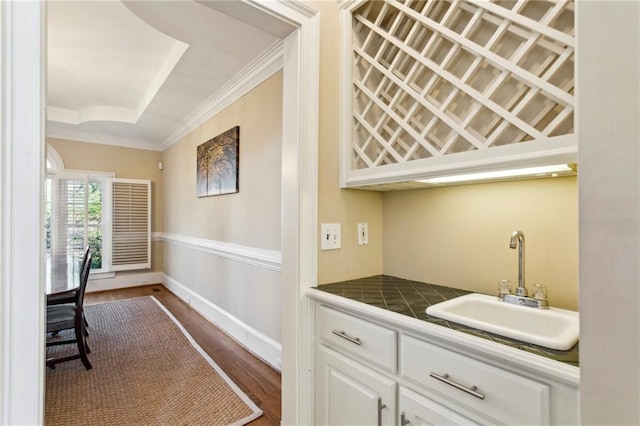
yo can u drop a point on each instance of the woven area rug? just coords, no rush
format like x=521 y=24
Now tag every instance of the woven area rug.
x=147 y=370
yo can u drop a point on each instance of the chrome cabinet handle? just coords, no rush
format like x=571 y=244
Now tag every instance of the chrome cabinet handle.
x=380 y=407
x=403 y=419
x=344 y=335
x=473 y=390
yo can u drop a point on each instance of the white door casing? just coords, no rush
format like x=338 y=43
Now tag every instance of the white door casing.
x=23 y=144
x=22 y=166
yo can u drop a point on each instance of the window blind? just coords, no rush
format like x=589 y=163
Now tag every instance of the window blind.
x=131 y=224
x=71 y=212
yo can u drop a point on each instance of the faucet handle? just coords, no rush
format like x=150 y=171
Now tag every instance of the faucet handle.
x=504 y=287
x=539 y=292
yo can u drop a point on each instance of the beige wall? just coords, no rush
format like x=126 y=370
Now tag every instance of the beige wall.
x=459 y=236
x=125 y=163
x=459 y=228
x=347 y=207
x=250 y=218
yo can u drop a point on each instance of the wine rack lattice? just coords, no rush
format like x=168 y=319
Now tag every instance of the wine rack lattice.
x=438 y=77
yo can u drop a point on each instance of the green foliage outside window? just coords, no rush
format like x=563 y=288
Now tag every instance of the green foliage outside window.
x=77 y=224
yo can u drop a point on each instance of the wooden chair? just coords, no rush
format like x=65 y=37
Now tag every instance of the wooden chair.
x=71 y=316
x=71 y=295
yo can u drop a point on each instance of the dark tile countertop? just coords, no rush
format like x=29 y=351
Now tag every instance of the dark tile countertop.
x=412 y=298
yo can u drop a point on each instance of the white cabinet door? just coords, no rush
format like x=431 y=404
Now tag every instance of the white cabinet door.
x=417 y=410
x=350 y=394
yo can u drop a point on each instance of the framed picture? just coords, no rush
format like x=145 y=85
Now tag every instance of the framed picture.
x=218 y=164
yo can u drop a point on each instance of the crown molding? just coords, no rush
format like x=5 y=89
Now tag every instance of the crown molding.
x=102 y=139
x=263 y=67
x=285 y=10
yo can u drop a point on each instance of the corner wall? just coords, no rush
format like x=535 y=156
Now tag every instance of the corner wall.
x=128 y=163
x=222 y=253
x=459 y=236
x=345 y=206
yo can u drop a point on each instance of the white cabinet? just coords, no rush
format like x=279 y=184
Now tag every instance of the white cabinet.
x=371 y=371
x=437 y=88
x=417 y=410
x=496 y=394
x=363 y=339
x=349 y=394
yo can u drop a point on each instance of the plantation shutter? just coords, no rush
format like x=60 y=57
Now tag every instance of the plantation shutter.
x=131 y=224
x=71 y=213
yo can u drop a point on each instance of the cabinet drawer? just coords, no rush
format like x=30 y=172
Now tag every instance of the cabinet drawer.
x=361 y=338
x=490 y=391
x=418 y=410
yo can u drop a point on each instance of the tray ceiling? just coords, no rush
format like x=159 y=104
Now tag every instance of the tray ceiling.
x=129 y=73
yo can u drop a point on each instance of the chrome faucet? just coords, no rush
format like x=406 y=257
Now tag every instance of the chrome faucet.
x=518 y=237
x=539 y=298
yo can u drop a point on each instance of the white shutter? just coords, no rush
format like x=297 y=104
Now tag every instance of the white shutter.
x=130 y=224
x=71 y=201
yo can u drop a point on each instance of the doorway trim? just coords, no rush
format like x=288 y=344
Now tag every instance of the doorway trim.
x=22 y=168
x=22 y=307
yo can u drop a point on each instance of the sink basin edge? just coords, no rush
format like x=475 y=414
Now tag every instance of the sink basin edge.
x=559 y=328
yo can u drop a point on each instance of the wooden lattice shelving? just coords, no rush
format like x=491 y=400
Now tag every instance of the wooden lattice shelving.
x=430 y=79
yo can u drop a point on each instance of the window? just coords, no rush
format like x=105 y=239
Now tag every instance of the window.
x=110 y=215
x=130 y=229
x=81 y=216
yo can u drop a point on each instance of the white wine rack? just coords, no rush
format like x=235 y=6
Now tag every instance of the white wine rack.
x=444 y=85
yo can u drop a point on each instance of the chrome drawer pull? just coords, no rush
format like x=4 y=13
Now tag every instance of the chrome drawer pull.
x=403 y=419
x=344 y=335
x=473 y=390
x=380 y=407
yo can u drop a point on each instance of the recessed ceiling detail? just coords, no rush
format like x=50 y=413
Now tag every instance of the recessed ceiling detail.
x=129 y=73
x=83 y=84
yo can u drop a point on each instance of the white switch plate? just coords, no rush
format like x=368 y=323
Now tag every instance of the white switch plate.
x=329 y=236
x=363 y=234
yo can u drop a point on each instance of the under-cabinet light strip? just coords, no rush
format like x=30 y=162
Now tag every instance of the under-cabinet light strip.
x=529 y=171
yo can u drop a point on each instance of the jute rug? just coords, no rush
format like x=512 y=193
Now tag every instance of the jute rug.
x=147 y=370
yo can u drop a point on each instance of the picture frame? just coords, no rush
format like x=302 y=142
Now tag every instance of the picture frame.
x=217 y=169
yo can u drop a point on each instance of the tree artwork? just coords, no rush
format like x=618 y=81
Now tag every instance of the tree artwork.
x=217 y=164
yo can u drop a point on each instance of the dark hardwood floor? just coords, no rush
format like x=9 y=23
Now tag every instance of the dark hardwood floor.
x=257 y=379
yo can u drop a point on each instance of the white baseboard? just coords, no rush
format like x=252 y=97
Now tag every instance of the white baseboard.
x=262 y=346
x=123 y=281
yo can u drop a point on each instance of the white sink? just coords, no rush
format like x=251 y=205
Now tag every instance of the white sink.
x=552 y=328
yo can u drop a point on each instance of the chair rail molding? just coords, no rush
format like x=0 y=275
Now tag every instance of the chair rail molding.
x=269 y=259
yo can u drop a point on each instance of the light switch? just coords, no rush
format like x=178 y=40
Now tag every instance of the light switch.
x=329 y=236
x=363 y=234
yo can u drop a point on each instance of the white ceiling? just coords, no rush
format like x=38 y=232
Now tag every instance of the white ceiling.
x=130 y=73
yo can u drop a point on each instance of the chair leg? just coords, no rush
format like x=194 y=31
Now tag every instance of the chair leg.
x=82 y=348
x=50 y=363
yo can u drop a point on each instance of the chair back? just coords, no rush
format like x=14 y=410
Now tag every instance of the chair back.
x=85 y=260
x=87 y=250
x=84 y=277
